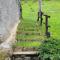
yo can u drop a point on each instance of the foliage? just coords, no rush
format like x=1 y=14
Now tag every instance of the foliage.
x=3 y=55
x=50 y=49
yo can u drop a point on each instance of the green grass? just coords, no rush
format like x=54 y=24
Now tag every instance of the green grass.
x=30 y=25
x=29 y=29
x=28 y=44
x=52 y=8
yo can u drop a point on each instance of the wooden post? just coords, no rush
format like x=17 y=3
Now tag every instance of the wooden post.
x=46 y=25
x=19 y=8
x=40 y=17
x=40 y=9
x=20 y=11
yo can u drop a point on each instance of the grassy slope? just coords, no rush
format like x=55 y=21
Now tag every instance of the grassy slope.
x=29 y=25
x=52 y=8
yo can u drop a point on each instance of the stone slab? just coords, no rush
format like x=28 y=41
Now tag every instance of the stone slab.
x=8 y=18
x=25 y=53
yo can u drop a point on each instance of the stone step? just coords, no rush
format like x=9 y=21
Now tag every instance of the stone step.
x=27 y=58
x=28 y=33
x=25 y=55
x=33 y=40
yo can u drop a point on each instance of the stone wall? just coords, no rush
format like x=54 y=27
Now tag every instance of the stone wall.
x=8 y=18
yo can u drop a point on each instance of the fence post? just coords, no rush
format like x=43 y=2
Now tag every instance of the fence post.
x=46 y=25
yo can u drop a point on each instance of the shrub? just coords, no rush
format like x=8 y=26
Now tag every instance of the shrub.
x=50 y=49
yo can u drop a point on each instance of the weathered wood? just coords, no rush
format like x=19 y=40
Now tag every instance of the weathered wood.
x=41 y=19
x=46 y=25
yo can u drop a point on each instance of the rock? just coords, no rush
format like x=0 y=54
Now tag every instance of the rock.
x=18 y=58
x=27 y=58
x=8 y=18
x=5 y=54
x=35 y=58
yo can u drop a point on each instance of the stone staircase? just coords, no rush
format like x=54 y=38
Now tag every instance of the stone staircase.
x=25 y=55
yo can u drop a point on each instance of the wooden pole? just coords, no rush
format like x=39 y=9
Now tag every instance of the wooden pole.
x=47 y=26
x=40 y=13
x=40 y=7
x=19 y=8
